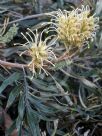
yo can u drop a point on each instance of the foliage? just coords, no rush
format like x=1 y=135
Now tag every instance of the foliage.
x=11 y=33
x=63 y=97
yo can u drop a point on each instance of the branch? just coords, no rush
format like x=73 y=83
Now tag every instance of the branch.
x=9 y=64
x=28 y=17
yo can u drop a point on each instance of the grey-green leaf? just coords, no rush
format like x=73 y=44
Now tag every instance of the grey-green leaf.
x=14 y=77
x=14 y=93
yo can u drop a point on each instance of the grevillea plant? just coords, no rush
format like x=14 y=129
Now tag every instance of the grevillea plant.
x=50 y=81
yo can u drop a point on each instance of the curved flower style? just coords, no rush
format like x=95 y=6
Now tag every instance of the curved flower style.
x=38 y=50
x=75 y=27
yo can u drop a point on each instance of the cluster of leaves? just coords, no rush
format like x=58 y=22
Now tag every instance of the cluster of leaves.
x=67 y=102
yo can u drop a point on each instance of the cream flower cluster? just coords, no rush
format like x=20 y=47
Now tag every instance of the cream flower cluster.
x=75 y=27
